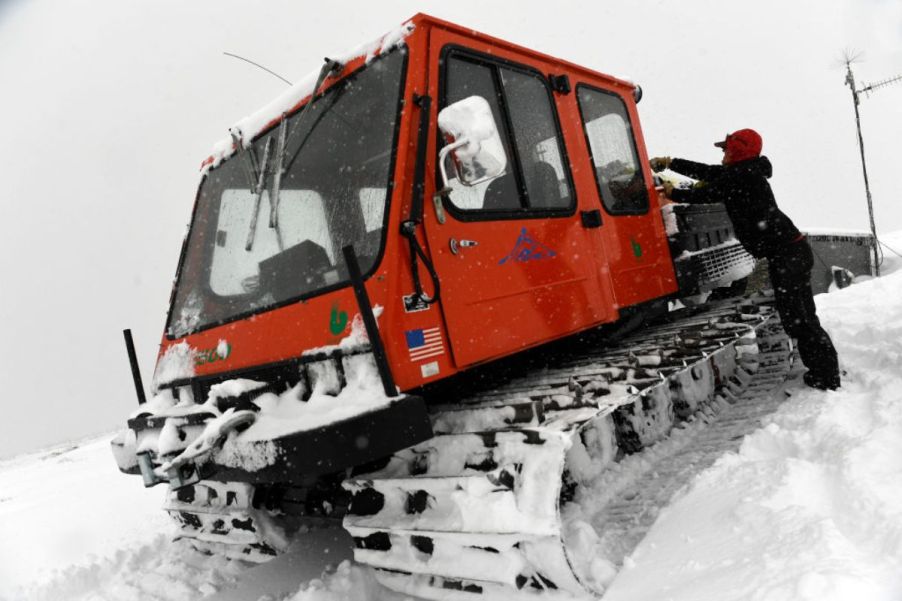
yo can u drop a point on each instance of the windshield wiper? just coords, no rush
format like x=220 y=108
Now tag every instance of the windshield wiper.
x=277 y=174
x=330 y=66
x=251 y=166
x=258 y=189
x=333 y=98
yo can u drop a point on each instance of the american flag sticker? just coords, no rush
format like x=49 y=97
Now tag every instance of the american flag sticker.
x=422 y=344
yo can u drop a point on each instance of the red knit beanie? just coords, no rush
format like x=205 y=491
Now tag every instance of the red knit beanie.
x=741 y=145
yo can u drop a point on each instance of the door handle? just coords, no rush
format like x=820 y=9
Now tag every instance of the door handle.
x=457 y=245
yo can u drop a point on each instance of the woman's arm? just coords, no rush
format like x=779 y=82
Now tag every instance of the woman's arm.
x=696 y=170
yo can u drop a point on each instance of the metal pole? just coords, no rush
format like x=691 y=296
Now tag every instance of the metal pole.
x=850 y=80
x=133 y=361
x=369 y=321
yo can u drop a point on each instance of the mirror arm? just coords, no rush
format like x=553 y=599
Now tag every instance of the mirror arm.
x=471 y=122
x=442 y=155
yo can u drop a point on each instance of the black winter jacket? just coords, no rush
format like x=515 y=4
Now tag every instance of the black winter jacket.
x=761 y=227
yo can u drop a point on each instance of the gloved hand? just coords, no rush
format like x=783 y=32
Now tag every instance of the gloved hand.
x=668 y=188
x=659 y=163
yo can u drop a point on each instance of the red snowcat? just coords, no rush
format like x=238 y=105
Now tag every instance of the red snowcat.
x=427 y=292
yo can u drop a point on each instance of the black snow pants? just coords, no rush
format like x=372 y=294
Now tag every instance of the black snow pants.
x=790 y=275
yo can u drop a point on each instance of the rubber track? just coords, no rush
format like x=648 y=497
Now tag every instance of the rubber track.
x=475 y=509
x=627 y=516
x=218 y=518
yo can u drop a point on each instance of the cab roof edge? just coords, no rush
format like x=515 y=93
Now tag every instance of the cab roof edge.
x=246 y=129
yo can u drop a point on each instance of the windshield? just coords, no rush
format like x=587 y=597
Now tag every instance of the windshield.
x=242 y=257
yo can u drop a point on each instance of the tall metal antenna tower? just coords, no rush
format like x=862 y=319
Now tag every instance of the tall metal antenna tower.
x=856 y=99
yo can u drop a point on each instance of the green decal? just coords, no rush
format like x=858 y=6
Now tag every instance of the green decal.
x=337 y=320
x=637 y=248
x=212 y=355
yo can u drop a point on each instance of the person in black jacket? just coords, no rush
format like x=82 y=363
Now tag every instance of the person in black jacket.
x=740 y=182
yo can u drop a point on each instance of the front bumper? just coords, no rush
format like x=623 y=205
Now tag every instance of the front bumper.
x=344 y=444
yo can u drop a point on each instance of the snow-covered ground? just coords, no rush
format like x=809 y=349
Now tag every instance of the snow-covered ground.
x=810 y=507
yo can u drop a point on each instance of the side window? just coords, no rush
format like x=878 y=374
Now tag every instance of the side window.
x=536 y=178
x=609 y=133
x=536 y=139
x=464 y=79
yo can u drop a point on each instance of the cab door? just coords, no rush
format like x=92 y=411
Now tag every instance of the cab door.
x=512 y=253
x=635 y=242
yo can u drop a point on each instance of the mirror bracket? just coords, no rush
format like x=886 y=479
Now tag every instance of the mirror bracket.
x=560 y=83
x=480 y=155
x=443 y=154
x=437 y=201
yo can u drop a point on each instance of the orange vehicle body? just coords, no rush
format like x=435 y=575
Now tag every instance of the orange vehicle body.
x=572 y=277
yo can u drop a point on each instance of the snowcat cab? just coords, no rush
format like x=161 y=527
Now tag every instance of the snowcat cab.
x=443 y=201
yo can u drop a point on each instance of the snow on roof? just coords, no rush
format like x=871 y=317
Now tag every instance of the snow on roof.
x=246 y=129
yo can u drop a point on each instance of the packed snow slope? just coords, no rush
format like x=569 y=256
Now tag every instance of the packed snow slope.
x=808 y=508
x=811 y=505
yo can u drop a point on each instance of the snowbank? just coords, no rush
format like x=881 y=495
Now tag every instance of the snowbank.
x=809 y=508
x=349 y=582
x=69 y=507
x=891 y=247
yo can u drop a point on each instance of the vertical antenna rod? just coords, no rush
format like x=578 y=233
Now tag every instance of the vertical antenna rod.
x=850 y=81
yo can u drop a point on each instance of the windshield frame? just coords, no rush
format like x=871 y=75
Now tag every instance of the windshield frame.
x=390 y=188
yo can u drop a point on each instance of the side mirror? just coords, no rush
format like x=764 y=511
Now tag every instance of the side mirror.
x=476 y=149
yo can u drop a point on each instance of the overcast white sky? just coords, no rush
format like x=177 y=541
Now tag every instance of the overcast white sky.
x=108 y=107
